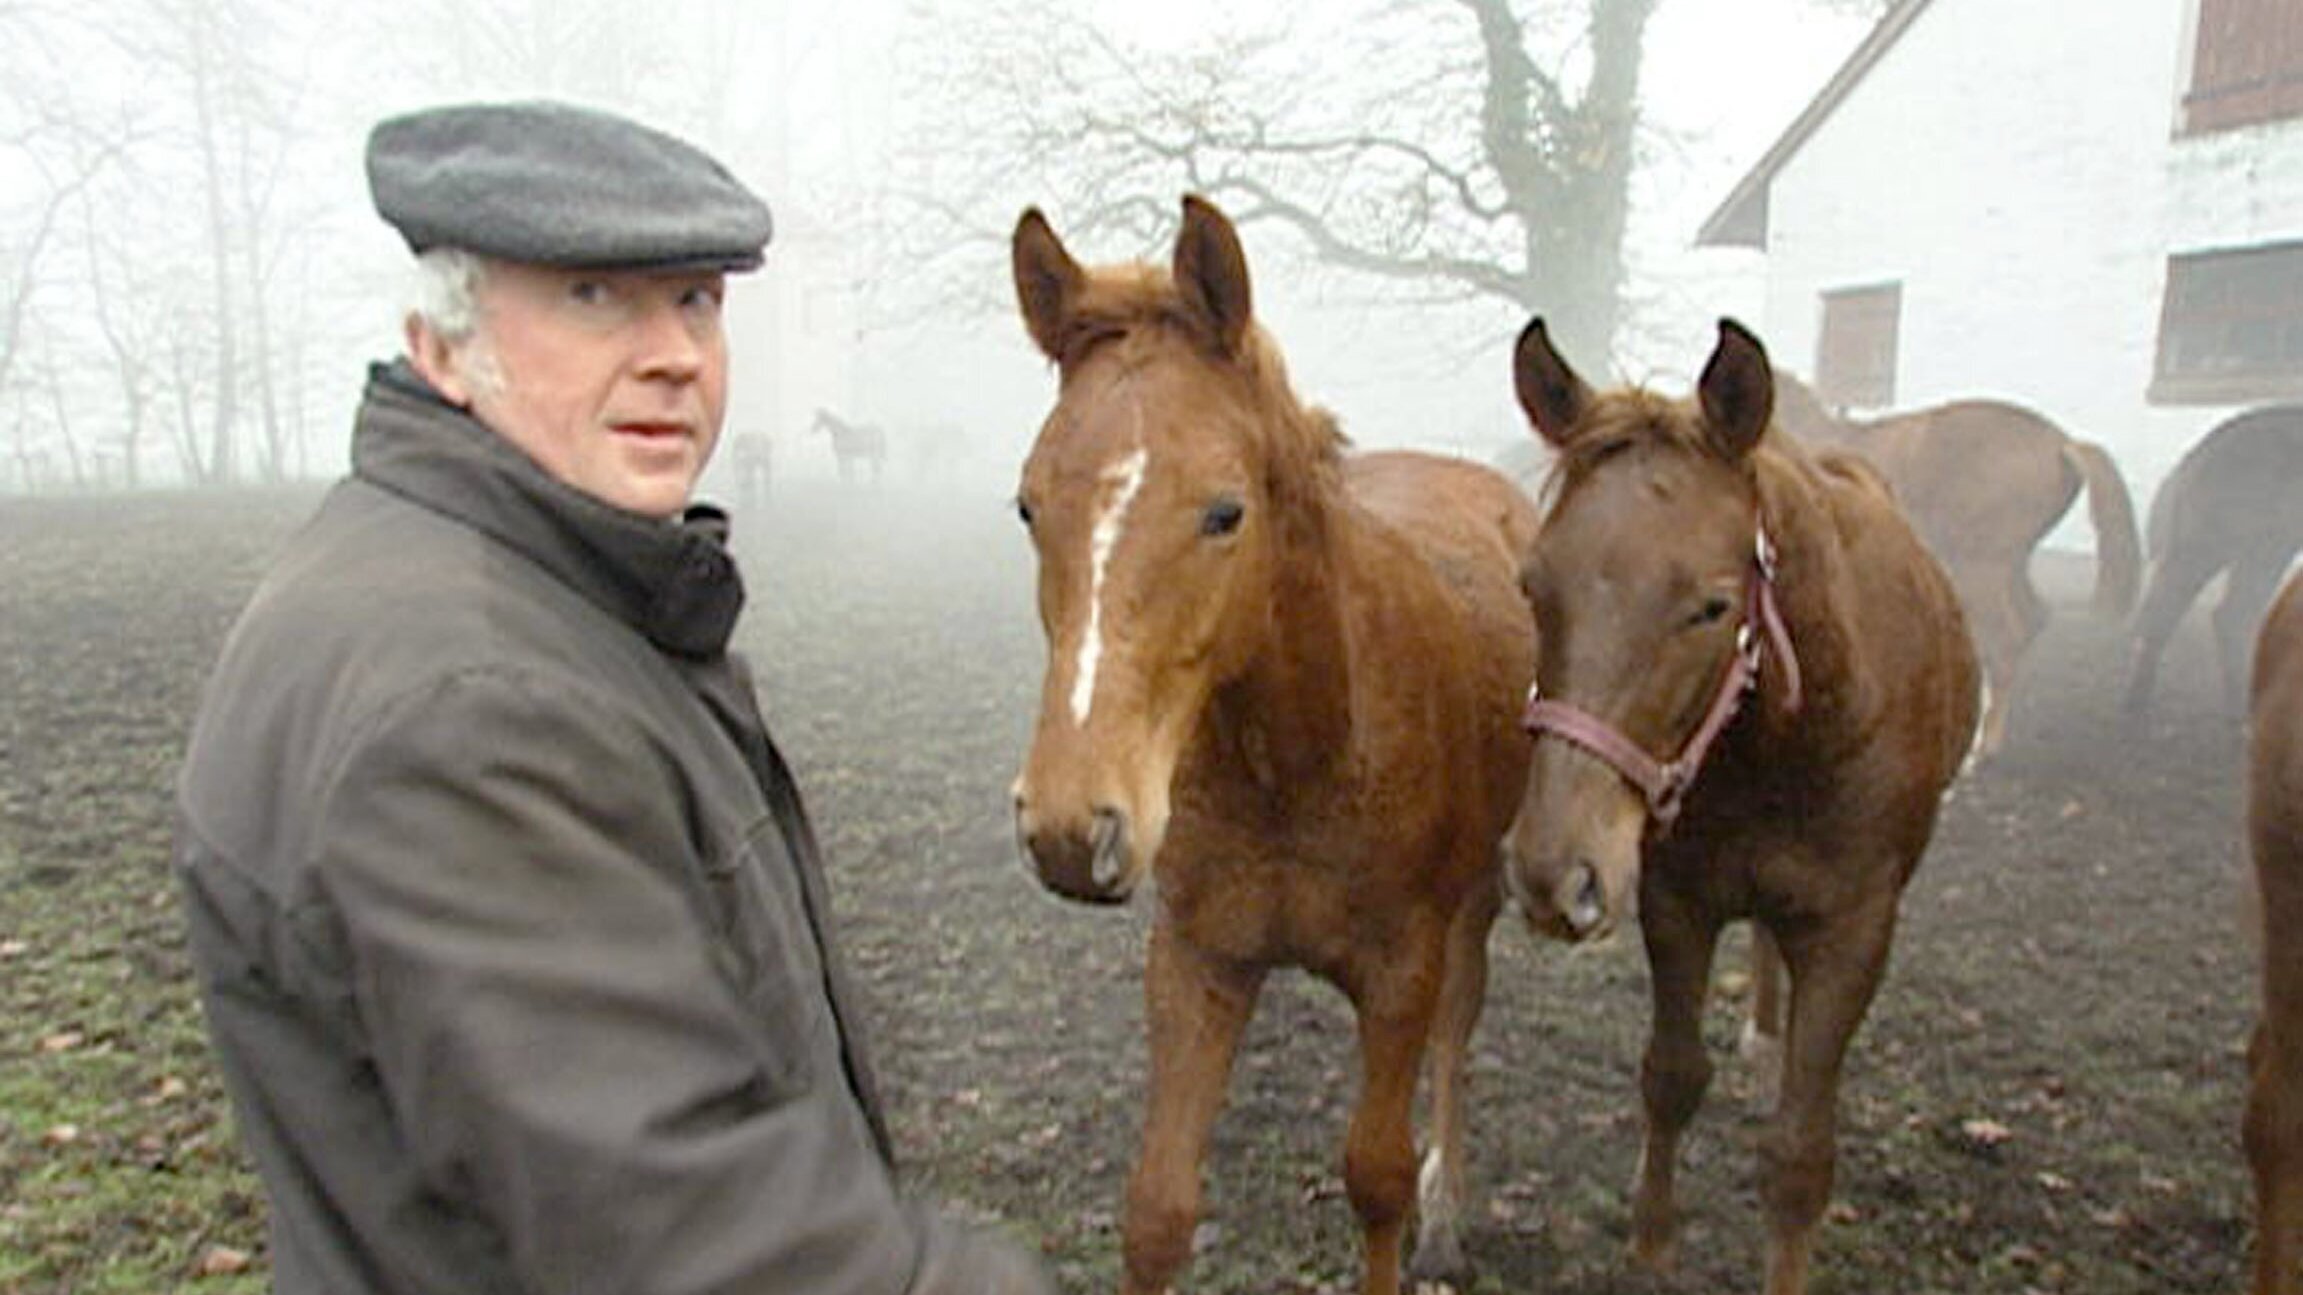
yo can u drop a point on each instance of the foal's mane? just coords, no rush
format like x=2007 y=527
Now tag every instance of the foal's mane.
x=1621 y=419
x=1138 y=309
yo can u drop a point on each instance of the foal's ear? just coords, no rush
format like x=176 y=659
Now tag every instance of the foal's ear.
x=1737 y=390
x=1553 y=396
x=1047 y=281
x=1211 y=271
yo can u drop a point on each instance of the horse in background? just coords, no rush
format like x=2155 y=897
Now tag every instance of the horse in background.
x=1754 y=685
x=754 y=453
x=2273 y=1126
x=853 y=443
x=1983 y=481
x=1281 y=684
x=2232 y=507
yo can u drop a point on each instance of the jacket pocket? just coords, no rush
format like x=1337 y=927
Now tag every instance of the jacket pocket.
x=770 y=945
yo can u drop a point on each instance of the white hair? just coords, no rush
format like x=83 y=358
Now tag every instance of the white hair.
x=446 y=296
x=446 y=291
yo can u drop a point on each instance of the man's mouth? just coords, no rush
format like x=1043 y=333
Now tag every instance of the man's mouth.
x=652 y=430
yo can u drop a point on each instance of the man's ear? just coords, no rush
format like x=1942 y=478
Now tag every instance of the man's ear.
x=434 y=359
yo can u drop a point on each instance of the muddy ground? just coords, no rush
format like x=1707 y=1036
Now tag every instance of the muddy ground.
x=2045 y=1097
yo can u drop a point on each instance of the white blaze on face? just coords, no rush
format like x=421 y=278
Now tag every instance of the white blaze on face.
x=1121 y=479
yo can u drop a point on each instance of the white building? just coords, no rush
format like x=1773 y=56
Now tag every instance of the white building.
x=2095 y=210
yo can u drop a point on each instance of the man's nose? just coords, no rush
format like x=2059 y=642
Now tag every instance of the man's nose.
x=670 y=345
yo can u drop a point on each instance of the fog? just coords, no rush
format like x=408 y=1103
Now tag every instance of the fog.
x=195 y=280
x=1913 y=202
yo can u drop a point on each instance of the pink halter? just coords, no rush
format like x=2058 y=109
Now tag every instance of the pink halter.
x=1665 y=784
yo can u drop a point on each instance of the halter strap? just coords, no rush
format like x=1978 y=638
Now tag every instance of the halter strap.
x=1665 y=783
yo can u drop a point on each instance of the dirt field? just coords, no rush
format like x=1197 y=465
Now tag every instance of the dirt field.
x=2045 y=1098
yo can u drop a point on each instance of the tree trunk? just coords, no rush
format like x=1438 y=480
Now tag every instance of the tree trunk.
x=58 y=408
x=222 y=464
x=1572 y=219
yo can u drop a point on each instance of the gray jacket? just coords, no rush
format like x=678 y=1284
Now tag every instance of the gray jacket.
x=509 y=923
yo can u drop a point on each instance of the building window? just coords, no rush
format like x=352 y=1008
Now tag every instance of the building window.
x=1855 y=355
x=2231 y=327
x=2247 y=65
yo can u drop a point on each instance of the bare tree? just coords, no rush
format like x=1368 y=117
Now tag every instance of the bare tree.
x=48 y=136
x=1477 y=152
x=187 y=364
x=681 y=69
x=227 y=103
x=128 y=335
x=1433 y=151
x=50 y=378
x=67 y=156
x=22 y=265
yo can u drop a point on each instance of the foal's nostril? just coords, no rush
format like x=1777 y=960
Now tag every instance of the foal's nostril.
x=1108 y=838
x=1582 y=901
x=1027 y=830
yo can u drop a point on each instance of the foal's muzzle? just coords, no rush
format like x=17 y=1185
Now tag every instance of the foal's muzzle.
x=1088 y=863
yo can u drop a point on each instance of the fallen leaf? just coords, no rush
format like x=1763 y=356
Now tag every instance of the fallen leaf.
x=222 y=1261
x=1989 y=1133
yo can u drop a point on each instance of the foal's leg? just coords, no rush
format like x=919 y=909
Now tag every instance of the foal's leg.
x=1834 y=973
x=1396 y=1003
x=1681 y=938
x=1439 y=1188
x=1195 y=1006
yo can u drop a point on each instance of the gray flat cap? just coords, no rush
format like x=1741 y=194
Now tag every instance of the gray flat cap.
x=554 y=184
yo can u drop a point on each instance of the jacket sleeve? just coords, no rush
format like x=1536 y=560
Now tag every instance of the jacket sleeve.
x=512 y=865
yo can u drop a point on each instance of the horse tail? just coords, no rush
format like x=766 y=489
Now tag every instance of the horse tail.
x=2118 y=549
x=2159 y=532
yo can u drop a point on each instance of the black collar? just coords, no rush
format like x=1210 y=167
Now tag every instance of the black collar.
x=673 y=581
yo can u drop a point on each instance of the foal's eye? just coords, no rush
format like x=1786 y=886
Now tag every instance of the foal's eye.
x=1713 y=608
x=1222 y=517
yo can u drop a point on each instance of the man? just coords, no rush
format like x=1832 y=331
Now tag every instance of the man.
x=510 y=926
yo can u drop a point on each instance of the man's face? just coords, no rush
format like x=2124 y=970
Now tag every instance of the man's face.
x=614 y=381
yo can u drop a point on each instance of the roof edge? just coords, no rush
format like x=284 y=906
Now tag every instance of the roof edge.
x=1740 y=220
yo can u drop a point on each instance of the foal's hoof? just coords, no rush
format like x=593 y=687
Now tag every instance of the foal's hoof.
x=1655 y=1243
x=1438 y=1268
x=1660 y=1257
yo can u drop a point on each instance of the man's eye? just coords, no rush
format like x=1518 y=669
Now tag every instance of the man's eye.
x=589 y=292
